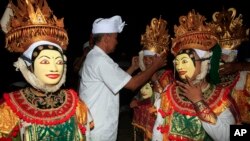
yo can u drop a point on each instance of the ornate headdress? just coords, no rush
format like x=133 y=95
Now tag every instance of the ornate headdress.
x=193 y=32
x=156 y=37
x=33 y=20
x=230 y=29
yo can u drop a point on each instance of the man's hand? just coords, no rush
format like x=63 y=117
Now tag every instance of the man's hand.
x=135 y=62
x=134 y=65
x=160 y=60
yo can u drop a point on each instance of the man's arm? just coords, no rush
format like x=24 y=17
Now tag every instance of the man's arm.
x=138 y=80
x=233 y=67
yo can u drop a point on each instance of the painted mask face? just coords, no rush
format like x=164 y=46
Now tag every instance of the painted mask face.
x=147 y=60
x=184 y=66
x=48 y=66
x=146 y=91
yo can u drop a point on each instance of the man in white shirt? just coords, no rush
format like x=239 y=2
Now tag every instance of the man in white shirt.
x=102 y=78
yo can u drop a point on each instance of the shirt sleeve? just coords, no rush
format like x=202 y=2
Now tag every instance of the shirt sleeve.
x=221 y=130
x=114 y=77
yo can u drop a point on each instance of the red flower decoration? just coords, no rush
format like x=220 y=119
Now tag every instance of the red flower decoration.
x=82 y=129
x=164 y=114
x=178 y=138
x=15 y=131
x=163 y=129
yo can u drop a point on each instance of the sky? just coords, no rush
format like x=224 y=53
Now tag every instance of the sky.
x=79 y=15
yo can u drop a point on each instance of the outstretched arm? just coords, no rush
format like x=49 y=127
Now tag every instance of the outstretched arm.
x=233 y=67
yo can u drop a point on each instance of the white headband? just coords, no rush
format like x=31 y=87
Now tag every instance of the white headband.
x=29 y=51
x=148 y=53
x=228 y=51
x=201 y=53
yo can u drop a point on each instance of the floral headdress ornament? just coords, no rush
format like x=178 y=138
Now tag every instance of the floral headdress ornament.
x=230 y=29
x=156 y=37
x=155 y=40
x=30 y=21
x=193 y=32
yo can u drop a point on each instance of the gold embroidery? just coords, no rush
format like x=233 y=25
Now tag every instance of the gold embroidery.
x=8 y=119
x=204 y=112
x=33 y=20
x=81 y=113
x=242 y=100
x=222 y=107
x=247 y=87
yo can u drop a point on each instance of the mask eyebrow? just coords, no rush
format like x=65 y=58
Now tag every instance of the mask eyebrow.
x=58 y=57
x=44 y=56
x=184 y=57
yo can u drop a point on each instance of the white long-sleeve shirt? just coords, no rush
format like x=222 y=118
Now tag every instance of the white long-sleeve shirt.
x=101 y=80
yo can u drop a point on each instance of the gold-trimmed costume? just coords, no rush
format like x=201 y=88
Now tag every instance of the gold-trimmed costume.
x=232 y=33
x=155 y=40
x=24 y=112
x=45 y=111
x=181 y=121
x=182 y=117
x=144 y=115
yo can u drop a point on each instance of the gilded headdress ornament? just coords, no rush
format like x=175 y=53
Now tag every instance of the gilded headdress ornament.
x=230 y=29
x=33 y=20
x=193 y=32
x=156 y=37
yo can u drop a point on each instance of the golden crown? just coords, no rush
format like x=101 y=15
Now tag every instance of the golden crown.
x=193 y=32
x=230 y=29
x=33 y=20
x=156 y=37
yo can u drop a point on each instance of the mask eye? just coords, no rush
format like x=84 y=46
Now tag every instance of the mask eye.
x=44 y=61
x=184 y=61
x=60 y=62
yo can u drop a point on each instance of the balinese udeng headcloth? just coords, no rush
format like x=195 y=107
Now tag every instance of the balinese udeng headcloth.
x=193 y=32
x=156 y=37
x=31 y=21
x=230 y=29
